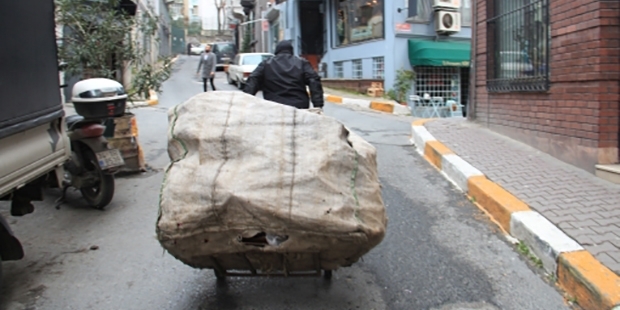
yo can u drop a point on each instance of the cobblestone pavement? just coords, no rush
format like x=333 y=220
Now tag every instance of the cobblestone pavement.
x=585 y=207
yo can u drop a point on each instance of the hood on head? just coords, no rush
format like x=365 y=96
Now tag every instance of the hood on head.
x=285 y=46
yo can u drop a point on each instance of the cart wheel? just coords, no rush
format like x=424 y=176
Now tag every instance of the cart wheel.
x=219 y=275
x=327 y=274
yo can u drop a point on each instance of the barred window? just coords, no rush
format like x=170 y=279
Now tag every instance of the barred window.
x=357 y=69
x=378 y=68
x=444 y=82
x=518 y=45
x=338 y=70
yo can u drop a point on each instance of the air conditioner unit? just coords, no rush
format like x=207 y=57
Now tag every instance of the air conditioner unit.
x=447 y=22
x=446 y=4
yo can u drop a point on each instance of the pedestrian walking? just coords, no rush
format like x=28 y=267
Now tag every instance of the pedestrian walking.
x=207 y=62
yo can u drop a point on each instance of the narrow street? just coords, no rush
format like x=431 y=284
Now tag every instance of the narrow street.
x=440 y=251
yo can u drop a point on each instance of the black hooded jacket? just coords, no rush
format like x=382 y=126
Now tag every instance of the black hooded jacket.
x=283 y=79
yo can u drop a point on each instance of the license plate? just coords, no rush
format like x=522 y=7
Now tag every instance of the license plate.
x=110 y=159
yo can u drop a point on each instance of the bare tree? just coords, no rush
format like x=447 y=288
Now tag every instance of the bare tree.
x=219 y=5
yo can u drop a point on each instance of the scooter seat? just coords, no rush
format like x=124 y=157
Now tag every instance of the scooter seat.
x=72 y=120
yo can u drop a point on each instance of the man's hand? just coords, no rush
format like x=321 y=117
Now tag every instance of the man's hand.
x=212 y=73
x=318 y=111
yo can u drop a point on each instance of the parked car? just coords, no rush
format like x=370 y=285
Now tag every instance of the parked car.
x=243 y=65
x=225 y=52
x=197 y=49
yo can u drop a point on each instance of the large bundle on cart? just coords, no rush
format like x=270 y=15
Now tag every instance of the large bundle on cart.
x=258 y=186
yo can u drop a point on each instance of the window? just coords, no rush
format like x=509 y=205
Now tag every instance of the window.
x=466 y=13
x=338 y=72
x=444 y=82
x=357 y=69
x=419 y=11
x=377 y=68
x=518 y=45
x=358 y=21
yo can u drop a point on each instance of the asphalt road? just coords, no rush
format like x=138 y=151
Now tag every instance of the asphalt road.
x=440 y=252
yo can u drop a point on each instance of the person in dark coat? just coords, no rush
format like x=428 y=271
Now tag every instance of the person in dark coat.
x=283 y=79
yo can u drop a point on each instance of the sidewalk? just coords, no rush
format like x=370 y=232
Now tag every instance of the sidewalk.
x=515 y=184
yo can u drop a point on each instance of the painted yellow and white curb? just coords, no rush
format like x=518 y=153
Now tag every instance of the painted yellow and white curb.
x=153 y=98
x=387 y=107
x=594 y=286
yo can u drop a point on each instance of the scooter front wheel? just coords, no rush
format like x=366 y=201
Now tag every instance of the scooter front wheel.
x=100 y=194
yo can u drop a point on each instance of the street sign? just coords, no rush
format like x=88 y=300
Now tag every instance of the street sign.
x=404 y=27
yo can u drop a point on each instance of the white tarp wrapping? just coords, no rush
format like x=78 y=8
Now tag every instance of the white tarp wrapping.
x=253 y=184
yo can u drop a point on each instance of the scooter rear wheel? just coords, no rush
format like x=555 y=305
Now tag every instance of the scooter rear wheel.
x=100 y=194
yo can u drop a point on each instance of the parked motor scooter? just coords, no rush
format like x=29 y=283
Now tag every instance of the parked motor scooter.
x=93 y=163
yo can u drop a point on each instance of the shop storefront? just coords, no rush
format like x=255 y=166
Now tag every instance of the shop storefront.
x=442 y=69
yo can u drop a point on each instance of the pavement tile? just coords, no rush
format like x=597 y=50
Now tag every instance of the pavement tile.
x=564 y=210
x=603 y=247
x=585 y=241
x=606 y=259
x=604 y=238
x=612 y=210
x=564 y=218
x=578 y=232
x=589 y=216
x=607 y=221
x=584 y=206
x=566 y=226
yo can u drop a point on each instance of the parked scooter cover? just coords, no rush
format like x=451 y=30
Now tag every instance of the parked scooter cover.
x=257 y=184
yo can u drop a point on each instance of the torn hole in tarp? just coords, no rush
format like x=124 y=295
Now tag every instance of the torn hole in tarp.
x=261 y=239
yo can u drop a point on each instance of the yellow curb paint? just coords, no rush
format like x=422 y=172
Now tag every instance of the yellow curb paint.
x=421 y=122
x=434 y=151
x=489 y=215
x=495 y=200
x=153 y=100
x=593 y=285
x=334 y=99
x=382 y=106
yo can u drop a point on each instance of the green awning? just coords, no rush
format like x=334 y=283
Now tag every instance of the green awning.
x=440 y=54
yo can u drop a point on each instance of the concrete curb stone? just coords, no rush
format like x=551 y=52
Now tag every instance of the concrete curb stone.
x=594 y=286
x=383 y=106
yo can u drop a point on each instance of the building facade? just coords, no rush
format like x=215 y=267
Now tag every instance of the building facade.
x=548 y=74
x=353 y=41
